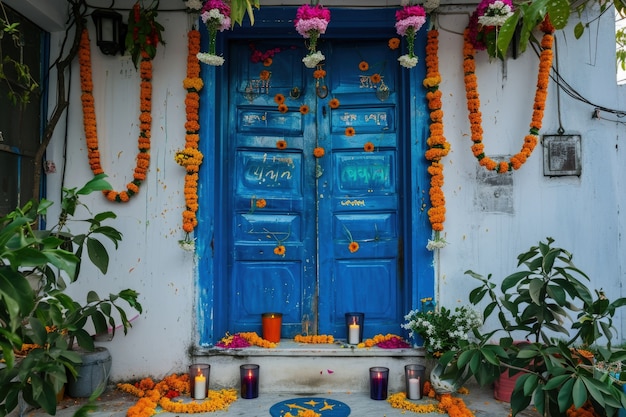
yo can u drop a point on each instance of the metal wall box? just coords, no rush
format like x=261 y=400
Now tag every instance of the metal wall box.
x=561 y=155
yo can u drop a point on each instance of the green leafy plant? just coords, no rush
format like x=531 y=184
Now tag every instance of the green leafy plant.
x=144 y=32
x=35 y=310
x=537 y=303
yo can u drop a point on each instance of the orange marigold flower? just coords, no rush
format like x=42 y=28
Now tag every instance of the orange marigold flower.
x=279 y=99
x=318 y=152
x=364 y=66
x=333 y=103
x=279 y=250
x=260 y=203
x=283 y=108
x=281 y=144
x=353 y=247
x=304 y=109
x=368 y=147
x=319 y=73
x=375 y=78
x=350 y=131
x=394 y=43
x=267 y=62
x=265 y=75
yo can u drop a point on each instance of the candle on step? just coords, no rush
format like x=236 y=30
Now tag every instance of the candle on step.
x=249 y=381
x=353 y=334
x=414 y=389
x=200 y=386
x=378 y=382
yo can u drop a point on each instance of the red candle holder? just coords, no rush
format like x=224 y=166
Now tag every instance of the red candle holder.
x=199 y=380
x=271 y=326
x=249 y=374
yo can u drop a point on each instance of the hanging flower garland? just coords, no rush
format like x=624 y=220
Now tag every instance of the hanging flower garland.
x=438 y=147
x=190 y=157
x=311 y=22
x=409 y=20
x=90 y=125
x=216 y=16
x=473 y=103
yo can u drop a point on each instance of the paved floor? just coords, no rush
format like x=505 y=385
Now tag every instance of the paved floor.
x=114 y=403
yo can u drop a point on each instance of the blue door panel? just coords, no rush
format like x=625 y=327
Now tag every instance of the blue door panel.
x=262 y=287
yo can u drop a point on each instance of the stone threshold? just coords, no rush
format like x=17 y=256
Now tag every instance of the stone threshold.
x=290 y=348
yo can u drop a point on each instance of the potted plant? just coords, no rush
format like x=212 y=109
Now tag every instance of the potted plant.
x=441 y=330
x=538 y=303
x=39 y=318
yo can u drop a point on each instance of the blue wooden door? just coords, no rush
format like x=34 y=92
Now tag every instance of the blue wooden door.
x=292 y=215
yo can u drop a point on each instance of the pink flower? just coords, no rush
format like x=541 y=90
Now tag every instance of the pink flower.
x=217 y=4
x=407 y=11
x=311 y=18
x=410 y=17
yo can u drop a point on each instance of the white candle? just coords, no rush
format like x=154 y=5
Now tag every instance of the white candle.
x=414 y=389
x=353 y=334
x=199 y=392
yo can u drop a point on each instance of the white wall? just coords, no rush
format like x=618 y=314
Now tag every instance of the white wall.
x=582 y=214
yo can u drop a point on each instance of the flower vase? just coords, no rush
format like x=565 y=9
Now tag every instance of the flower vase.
x=441 y=386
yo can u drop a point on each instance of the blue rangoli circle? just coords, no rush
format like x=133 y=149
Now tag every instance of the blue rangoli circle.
x=327 y=407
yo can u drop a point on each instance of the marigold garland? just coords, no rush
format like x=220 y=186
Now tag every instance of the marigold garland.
x=254 y=339
x=162 y=393
x=90 y=124
x=473 y=104
x=438 y=147
x=379 y=338
x=191 y=158
x=314 y=339
x=453 y=406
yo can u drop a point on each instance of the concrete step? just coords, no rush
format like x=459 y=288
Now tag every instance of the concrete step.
x=309 y=368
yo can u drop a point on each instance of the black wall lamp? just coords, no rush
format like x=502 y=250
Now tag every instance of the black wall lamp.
x=110 y=31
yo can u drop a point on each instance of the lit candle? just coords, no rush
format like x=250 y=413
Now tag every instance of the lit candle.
x=199 y=386
x=414 y=389
x=353 y=333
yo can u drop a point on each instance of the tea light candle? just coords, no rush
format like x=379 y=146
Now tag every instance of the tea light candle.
x=353 y=334
x=200 y=386
x=414 y=389
x=378 y=382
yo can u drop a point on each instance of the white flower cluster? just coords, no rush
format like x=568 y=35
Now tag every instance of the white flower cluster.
x=210 y=59
x=442 y=330
x=194 y=5
x=496 y=14
x=438 y=243
x=311 y=60
x=407 y=61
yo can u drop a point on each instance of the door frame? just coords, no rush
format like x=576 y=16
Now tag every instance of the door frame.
x=277 y=22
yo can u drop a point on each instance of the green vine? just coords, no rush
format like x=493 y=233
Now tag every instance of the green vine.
x=21 y=72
